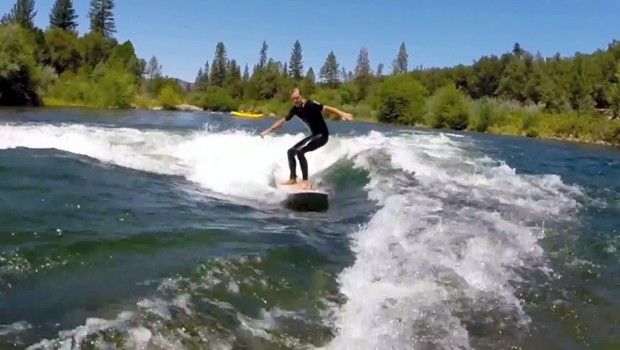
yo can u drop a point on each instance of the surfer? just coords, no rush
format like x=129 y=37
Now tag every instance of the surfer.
x=310 y=112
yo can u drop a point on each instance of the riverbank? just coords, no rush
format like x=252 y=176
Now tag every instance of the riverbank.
x=587 y=129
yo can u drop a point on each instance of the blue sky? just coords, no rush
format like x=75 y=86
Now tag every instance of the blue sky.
x=182 y=34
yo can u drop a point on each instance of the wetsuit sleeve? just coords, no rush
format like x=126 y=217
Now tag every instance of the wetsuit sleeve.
x=318 y=107
x=290 y=115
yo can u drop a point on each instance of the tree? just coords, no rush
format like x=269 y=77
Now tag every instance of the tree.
x=580 y=86
x=246 y=73
x=401 y=61
x=329 y=71
x=18 y=68
x=362 y=75
x=401 y=99
x=101 y=15
x=63 y=15
x=23 y=13
x=262 y=61
x=380 y=69
x=218 y=68
x=153 y=69
x=296 y=63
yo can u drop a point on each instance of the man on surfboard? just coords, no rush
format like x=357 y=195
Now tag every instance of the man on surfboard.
x=310 y=112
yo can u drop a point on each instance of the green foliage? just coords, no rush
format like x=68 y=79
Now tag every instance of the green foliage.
x=169 y=97
x=218 y=99
x=19 y=73
x=22 y=13
x=401 y=99
x=101 y=16
x=517 y=92
x=401 y=63
x=296 y=66
x=218 y=68
x=63 y=15
x=449 y=109
x=63 y=49
x=329 y=71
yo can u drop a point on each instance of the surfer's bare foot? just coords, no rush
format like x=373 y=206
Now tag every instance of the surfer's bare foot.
x=289 y=182
x=305 y=185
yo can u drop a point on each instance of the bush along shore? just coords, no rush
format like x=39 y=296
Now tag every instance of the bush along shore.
x=518 y=93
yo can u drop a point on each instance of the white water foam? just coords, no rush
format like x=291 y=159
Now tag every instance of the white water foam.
x=437 y=256
x=233 y=164
x=437 y=251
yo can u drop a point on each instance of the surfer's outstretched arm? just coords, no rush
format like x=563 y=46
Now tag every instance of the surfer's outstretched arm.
x=275 y=126
x=336 y=111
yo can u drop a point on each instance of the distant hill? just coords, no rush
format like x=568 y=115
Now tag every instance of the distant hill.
x=184 y=84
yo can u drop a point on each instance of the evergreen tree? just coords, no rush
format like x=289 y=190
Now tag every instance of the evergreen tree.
x=262 y=61
x=246 y=73
x=362 y=69
x=23 y=13
x=310 y=75
x=343 y=75
x=580 y=87
x=380 y=69
x=218 y=68
x=153 y=69
x=101 y=15
x=362 y=75
x=285 y=70
x=401 y=62
x=329 y=71
x=202 y=78
x=198 y=76
x=296 y=67
x=63 y=15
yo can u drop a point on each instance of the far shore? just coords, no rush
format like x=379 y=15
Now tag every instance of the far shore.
x=184 y=107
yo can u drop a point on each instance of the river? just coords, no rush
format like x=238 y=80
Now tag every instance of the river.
x=163 y=230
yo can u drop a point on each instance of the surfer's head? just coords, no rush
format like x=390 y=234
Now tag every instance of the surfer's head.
x=296 y=97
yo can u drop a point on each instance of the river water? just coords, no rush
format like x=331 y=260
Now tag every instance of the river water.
x=163 y=230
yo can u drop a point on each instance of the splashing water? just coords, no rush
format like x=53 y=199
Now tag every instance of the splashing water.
x=438 y=265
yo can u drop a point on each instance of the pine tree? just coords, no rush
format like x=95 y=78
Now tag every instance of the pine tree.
x=343 y=75
x=101 y=15
x=580 y=87
x=262 y=61
x=380 y=69
x=202 y=78
x=362 y=68
x=63 y=15
x=285 y=70
x=310 y=75
x=329 y=71
x=23 y=13
x=401 y=64
x=296 y=66
x=246 y=73
x=198 y=76
x=218 y=68
x=153 y=69
x=363 y=74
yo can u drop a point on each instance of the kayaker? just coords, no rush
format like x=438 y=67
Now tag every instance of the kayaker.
x=310 y=112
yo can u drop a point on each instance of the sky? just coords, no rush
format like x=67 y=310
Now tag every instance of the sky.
x=182 y=34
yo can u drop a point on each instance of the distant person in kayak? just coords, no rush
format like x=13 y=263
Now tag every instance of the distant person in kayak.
x=310 y=112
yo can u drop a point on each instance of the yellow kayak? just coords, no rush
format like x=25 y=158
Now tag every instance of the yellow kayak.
x=246 y=114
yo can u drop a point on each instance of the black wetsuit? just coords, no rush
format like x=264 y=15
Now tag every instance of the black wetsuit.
x=311 y=114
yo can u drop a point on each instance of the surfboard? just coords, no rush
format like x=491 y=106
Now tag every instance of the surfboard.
x=313 y=199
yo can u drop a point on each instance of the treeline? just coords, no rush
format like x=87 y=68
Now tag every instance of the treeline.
x=575 y=97
x=58 y=66
x=521 y=93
